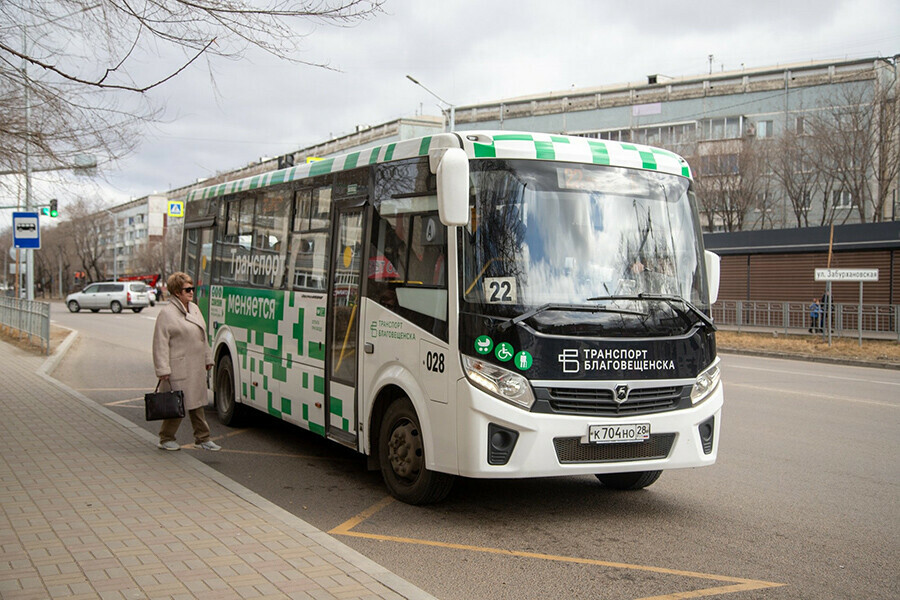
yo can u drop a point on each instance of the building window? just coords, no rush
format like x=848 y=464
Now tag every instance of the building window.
x=765 y=129
x=721 y=129
x=719 y=164
x=842 y=199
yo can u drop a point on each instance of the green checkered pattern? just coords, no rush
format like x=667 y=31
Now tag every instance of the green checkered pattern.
x=283 y=355
x=490 y=144
x=545 y=146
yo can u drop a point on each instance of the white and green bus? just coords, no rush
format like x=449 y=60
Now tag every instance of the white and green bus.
x=477 y=304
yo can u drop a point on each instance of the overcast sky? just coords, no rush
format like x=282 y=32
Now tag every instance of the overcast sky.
x=469 y=51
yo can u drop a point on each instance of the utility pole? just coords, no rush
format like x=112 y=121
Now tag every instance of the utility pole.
x=29 y=253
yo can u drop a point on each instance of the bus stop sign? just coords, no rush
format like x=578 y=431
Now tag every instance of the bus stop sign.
x=26 y=230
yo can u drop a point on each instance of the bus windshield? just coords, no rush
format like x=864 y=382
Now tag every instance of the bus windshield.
x=564 y=234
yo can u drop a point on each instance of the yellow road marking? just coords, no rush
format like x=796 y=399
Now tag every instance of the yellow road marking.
x=738 y=584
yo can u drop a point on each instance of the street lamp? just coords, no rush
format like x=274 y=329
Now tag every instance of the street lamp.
x=452 y=107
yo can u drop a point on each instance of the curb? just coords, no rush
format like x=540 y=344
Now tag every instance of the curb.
x=851 y=362
x=390 y=580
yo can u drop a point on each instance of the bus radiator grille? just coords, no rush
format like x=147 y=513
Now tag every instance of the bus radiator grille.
x=571 y=450
x=600 y=402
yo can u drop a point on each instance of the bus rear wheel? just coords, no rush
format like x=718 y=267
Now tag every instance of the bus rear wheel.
x=401 y=455
x=629 y=481
x=230 y=412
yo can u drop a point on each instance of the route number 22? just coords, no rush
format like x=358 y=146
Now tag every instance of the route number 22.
x=500 y=290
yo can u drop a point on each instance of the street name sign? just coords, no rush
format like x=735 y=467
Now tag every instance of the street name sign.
x=846 y=274
x=26 y=230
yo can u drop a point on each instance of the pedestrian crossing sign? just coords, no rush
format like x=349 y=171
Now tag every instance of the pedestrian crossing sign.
x=176 y=208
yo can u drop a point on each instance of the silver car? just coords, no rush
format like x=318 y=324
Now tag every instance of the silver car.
x=114 y=295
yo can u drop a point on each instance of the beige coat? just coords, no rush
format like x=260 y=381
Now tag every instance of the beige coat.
x=181 y=352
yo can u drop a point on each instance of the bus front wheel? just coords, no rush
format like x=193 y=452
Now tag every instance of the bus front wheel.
x=401 y=455
x=230 y=412
x=629 y=481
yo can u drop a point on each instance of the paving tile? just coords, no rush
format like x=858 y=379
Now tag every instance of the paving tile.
x=84 y=520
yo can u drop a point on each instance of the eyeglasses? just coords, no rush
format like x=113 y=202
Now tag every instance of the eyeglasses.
x=188 y=290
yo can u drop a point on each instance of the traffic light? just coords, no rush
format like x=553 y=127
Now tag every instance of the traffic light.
x=50 y=211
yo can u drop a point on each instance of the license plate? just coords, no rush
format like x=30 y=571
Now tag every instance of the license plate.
x=617 y=434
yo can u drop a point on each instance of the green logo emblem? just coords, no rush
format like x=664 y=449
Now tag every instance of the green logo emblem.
x=484 y=344
x=504 y=351
x=523 y=361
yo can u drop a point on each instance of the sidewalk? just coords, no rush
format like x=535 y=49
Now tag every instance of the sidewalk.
x=90 y=508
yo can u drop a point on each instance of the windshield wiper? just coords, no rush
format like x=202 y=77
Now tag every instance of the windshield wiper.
x=570 y=307
x=671 y=300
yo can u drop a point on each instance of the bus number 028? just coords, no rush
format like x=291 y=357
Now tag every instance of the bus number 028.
x=434 y=361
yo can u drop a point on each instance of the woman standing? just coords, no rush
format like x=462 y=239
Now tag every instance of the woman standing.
x=181 y=357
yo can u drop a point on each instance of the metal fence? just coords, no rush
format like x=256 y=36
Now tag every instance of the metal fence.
x=877 y=320
x=27 y=318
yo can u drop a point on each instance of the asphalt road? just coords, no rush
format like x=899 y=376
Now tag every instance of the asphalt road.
x=801 y=504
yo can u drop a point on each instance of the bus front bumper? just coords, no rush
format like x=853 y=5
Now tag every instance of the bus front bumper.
x=546 y=445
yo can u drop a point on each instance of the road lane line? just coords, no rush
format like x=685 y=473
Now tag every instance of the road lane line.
x=812 y=394
x=349 y=524
x=818 y=376
x=715 y=591
x=124 y=402
x=739 y=584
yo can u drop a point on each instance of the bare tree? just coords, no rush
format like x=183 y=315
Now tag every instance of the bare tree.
x=730 y=182
x=84 y=63
x=887 y=139
x=858 y=139
x=161 y=254
x=794 y=169
x=89 y=228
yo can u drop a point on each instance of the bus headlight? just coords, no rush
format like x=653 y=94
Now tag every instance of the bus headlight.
x=506 y=385
x=706 y=383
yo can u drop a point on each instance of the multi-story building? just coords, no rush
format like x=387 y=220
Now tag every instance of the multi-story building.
x=760 y=141
x=131 y=228
x=786 y=146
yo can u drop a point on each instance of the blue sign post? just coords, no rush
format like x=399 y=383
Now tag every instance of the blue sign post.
x=26 y=230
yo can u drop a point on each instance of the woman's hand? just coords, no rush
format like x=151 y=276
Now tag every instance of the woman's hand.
x=163 y=377
x=208 y=367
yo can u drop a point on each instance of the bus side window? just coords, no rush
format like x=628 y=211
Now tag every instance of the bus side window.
x=308 y=257
x=234 y=242
x=428 y=252
x=386 y=260
x=269 y=240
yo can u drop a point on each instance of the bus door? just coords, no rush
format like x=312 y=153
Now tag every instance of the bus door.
x=198 y=262
x=341 y=398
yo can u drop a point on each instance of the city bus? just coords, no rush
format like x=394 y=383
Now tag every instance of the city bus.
x=477 y=304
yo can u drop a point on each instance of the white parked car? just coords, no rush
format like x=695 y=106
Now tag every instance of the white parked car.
x=114 y=295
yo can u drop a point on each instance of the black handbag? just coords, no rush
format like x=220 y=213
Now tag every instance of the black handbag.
x=164 y=405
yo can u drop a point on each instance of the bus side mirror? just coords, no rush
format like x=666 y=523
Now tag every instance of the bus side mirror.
x=453 y=187
x=713 y=270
